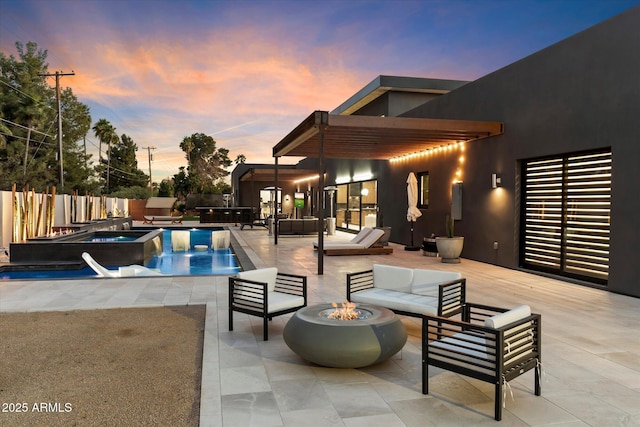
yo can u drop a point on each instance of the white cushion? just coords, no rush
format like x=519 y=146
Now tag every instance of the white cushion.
x=372 y=238
x=513 y=315
x=392 y=278
x=364 y=232
x=264 y=275
x=427 y=282
x=397 y=300
x=280 y=301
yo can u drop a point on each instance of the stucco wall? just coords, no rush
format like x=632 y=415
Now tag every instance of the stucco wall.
x=580 y=94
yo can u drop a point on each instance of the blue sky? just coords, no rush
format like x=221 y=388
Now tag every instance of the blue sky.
x=248 y=71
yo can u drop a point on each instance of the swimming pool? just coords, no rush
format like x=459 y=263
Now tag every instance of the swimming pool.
x=187 y=263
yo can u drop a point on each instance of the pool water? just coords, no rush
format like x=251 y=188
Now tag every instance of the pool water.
x=186 y=263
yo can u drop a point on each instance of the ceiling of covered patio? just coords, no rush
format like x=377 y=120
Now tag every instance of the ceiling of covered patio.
x=377 y=138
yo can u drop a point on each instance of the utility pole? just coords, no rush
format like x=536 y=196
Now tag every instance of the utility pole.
x=150 y=160
x=57 y=75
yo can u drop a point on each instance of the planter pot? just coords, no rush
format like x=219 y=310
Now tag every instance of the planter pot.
x=450 y=248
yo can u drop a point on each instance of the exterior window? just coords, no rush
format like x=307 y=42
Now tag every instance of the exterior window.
x=566 y=215
x=423 y=190
x=357 y=205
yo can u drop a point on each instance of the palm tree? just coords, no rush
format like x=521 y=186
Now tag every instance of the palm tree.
x=105 y=132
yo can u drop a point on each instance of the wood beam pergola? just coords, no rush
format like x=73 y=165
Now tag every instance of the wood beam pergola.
x=322 y=135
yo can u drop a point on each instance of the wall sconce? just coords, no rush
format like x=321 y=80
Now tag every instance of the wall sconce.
x=287 y=198
x=496 y=181
x=364 y=192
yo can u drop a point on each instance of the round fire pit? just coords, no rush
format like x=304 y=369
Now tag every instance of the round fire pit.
x=373 y=336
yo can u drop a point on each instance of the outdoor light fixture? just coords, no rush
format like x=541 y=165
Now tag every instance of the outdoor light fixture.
x=496 y=181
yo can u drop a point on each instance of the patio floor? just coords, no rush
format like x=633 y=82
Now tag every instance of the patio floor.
x=590 y=347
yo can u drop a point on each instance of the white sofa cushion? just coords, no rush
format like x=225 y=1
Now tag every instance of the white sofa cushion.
x=267 y=275
x=397 y=300
x=513 y=315
x=392 y=278
x=281 y=301
x=427 y=282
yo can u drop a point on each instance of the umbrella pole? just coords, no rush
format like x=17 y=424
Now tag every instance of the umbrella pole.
x=411 y=247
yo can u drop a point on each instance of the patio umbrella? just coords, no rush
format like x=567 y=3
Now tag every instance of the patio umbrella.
x=413 y=212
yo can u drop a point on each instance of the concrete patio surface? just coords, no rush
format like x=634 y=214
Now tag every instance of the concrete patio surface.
x=590 y=347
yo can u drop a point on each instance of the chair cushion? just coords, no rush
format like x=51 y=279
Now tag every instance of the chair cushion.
x=513 y=315
x=427 y=282
x=397 y=300
x=264 y=275
x=279 y=301
x=392 y=278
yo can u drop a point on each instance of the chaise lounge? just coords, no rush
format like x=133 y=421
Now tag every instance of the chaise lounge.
x=363 y=243
x=126 y=271
x=162 y=218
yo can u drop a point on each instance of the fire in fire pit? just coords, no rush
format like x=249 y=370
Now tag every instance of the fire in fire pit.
x=346 y=312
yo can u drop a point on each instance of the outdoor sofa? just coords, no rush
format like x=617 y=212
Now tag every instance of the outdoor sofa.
x=408 y=291
x=150 y=219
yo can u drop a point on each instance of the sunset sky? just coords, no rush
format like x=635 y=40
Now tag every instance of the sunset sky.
x=247 y=72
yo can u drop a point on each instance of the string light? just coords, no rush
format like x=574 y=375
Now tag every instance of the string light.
x=430 y=151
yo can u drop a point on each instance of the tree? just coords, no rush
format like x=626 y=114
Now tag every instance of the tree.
x=105 y=133
x=28 y=106
x=207 y=164
x=240 y=159
x=124 y=166
x=165 y=189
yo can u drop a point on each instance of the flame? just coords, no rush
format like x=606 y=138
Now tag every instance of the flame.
x=346 y=312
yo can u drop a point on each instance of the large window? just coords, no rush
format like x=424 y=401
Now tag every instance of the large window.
x=357 y=205
x=566 y=215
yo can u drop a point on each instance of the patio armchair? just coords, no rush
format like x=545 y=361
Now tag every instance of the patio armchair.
x=266 y=293
x=490 y=344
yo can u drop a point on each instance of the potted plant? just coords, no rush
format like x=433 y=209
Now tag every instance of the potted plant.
x=450 y=247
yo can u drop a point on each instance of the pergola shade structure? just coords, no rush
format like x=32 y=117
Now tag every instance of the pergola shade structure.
x=322 y=135
x=377 y=138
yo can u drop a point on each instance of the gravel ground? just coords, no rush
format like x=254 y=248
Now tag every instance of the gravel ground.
x=120 y=367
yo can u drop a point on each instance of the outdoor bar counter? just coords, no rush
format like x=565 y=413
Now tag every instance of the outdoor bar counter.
x=237 y=215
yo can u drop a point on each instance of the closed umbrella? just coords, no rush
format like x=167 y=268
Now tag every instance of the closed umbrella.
x=413 y=212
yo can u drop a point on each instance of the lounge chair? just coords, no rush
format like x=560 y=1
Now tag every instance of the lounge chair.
x=364 y=245
x=173 y=219
x=490 y=344
x=126 y=271
x=266 y=293
x=356 y=239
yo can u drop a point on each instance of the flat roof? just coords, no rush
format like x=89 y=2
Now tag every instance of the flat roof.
x=383 y=84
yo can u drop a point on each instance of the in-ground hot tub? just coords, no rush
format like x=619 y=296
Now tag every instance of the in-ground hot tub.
x=373 y=336
x=109 y=248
